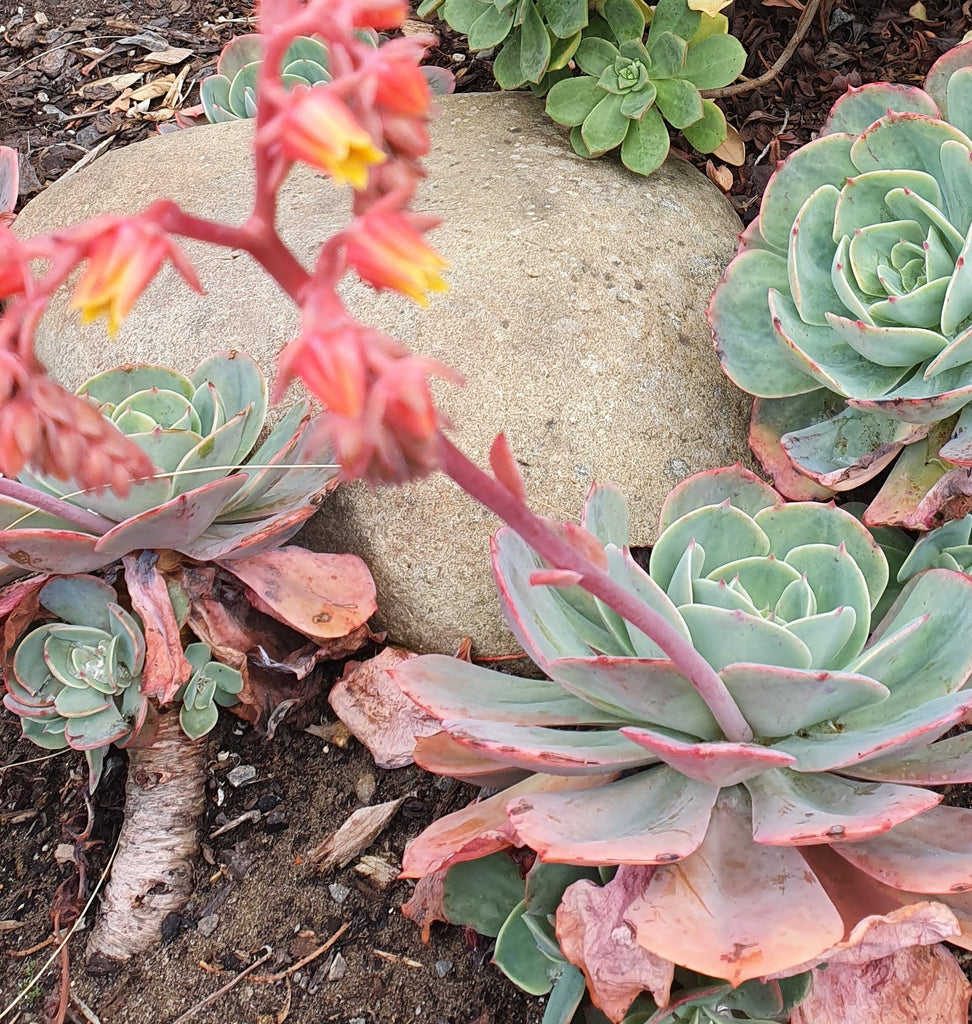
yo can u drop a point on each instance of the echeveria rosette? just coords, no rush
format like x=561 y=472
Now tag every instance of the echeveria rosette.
x=848 y=308
x=218 y=493
x=74 y=681
x=820 y=820
x=630 y=88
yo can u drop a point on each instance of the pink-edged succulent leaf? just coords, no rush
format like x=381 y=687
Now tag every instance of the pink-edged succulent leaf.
x=771 y=419
x=9 y=183
x=243 y=540
x=938 y=82
x=166 y=667
x=605 y=514
x=175 y=524
x=794 y=809
x=690 y=912
x=441 y=754
x=451 y=688
x=600 y=826
x=595 y=937
x=925 y=854
x=859 y=108
x=717 y=764
x=320 y=595
x=781 y=701
x=821 y=751
x=61 y=551
x=555 y=751
x=742 y=488
x=368 y=700
x=944 y=763
x=481 y=828
x=921 y=983
x=637 y=689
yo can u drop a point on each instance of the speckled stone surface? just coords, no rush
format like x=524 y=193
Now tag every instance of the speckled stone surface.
x=576 y=316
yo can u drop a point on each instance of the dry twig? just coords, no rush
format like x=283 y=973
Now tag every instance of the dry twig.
x=272 y=979
x=213 y=996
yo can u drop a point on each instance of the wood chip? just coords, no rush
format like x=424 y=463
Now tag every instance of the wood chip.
x=172 y=55
x=355 y=835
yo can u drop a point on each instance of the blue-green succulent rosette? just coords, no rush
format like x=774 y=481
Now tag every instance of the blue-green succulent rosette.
x=847 y=311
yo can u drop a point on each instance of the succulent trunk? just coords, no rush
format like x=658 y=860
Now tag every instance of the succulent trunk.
x=152 y=875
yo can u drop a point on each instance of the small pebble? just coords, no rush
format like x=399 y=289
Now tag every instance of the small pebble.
x=339 y=893
x=276 y=821
x=357 y=1020
x=207 y=925
x=241 y=775
x=442 y=967
x=267 y=802
x=338 y=968
x=364 y=788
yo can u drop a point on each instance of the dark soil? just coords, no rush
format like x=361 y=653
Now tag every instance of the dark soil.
x=254 y=888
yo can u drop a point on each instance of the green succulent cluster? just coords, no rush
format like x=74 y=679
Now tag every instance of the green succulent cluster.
x=230 y=94
x=492 y=896
x=75 y=680
x=630 y=85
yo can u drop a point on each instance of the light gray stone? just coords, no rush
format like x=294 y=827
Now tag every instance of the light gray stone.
x=576 y=315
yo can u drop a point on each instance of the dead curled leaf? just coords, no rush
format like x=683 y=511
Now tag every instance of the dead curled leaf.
x=427 y=903
x=360 y=830
x=371 y=704
x=595 y=937
x=918 y=985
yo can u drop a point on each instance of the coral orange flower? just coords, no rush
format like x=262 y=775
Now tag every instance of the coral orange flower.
x=379 y=13
x=319 y=130
x=13 y=263
x=388 y=251
x=123 y=257
x=400 y=85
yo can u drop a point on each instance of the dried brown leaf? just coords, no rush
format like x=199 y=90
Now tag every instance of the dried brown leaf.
x=427 y=903
x=357 y=833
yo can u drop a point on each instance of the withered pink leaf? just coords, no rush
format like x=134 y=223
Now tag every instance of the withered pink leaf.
x=320 y=595
x=918 y=985
x=371 y=704
x=595 y=937
x=427 y=904
x=166 y=667
x=441 y=754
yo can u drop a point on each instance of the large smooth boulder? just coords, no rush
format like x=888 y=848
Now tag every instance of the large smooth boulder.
x=576 y=316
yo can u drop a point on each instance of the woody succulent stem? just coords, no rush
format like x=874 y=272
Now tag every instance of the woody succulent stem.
x=164 y=798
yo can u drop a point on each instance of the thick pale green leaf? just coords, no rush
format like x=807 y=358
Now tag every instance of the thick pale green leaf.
x=463 y=14
x=535 y=47
x=725 y=533
x=957 y=305
x=506 y=66
x=745 y=336
x=565 y=997
x=957 y=185
x=517 y=956
x=545 y=884
x=667 y=52
x=197 y=721
x=490 y=28
x=744 y=490
x=116 y=385
x=781 y=701
x=482 y=893
x=565 y=17
x=726 y=637
x=908 y=205
x=79 y=600
x=889 y=346
x=646 y=143
x=761 y=580
x=679 y=101
x=858 y=109
x=714 y=62
x=825 y=161
x=595 y=54
x=625 y=19
x=862 y=199
x=570 y=101
x=674 y=16
x=605 y=126
x=811 y=255
x=921 y=308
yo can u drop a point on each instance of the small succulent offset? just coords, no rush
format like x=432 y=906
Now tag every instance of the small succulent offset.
x=75 y=680
x=230 y=94
x=211 y=497
x=630 y=88
x=848 y=308
x=499 y=895
x=819 y=823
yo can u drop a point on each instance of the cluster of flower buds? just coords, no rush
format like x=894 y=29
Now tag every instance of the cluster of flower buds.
x=368 y=128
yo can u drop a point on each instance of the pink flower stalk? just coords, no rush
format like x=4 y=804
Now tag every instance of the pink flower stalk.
x=388 y=251
x=123 y=257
